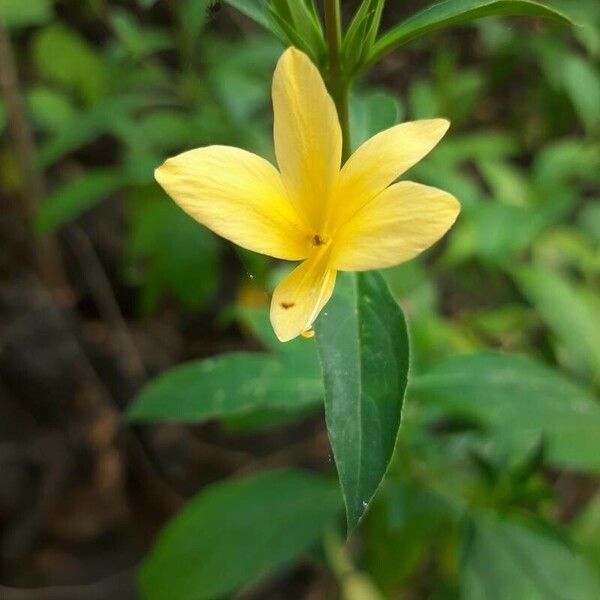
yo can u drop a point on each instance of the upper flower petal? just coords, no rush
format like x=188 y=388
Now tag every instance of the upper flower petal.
x=238 y=195
x=308 y=138
x=401 y=222
x=301 y=295
x=381 y=160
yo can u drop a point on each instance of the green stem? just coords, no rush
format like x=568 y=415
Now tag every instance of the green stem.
x=338 y=84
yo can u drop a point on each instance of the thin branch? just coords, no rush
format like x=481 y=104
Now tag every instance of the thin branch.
x=123 y=345
x=45 y=249
x=50 y=268
x=121 y=585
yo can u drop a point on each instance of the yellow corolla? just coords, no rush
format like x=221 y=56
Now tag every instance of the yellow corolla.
x=313 y=209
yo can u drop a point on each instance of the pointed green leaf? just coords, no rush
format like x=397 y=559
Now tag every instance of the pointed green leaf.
x=363 y=348
x=457 y=12
x=361 y=33
x=235 y=532
x=259 y=12
x=309 y=27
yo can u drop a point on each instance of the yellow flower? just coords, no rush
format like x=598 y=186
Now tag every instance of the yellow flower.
x=333 y=218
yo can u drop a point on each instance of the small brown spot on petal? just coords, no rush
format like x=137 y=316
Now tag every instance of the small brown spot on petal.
x=317 y=240
x=287 y=305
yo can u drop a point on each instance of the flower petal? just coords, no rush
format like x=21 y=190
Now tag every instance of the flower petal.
x=299 y=298
x=239 y=196
x=401 y=222
x=381 y=160
x=308 y=138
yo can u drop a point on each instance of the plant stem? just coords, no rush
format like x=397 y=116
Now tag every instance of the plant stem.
x=46 y=251
x=338 y=84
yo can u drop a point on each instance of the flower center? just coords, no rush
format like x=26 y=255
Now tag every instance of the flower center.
x=318 y=240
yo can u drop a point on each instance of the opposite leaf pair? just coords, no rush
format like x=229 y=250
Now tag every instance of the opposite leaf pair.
x=331 y=217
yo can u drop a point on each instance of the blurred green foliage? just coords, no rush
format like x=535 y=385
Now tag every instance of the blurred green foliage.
x=468 y=509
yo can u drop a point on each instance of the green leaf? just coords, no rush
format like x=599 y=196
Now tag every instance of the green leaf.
x=361 y=33
x=71 y=199
x=586 y=529
x=176 y=253
x=503 y=230
x=51 y=110
x=192 y=16
x=582 y=83
x=16 y=13
x=230 y=384
x=568 y=311
x=235 y=532
x=370 y=113
x=239 y=76
x=236 y=383
x=138 y=41
x=259 y=12
x=457 y=12
x=363 y=347
x=518 y=400
x=506 y=560
x=306 y=24
x=565 y=160
x=61 y=55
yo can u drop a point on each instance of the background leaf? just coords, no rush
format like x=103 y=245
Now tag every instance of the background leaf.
x=371 y=113
x=71 y=199
x=363 y=348
x=223 y=386
x=174 y=252
x=571 y=314
x=15 y=13
x=234 y=532
x=505 y=560
x=233 y=384
x=455 y=12
x=519 y=401
x=62 y=56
